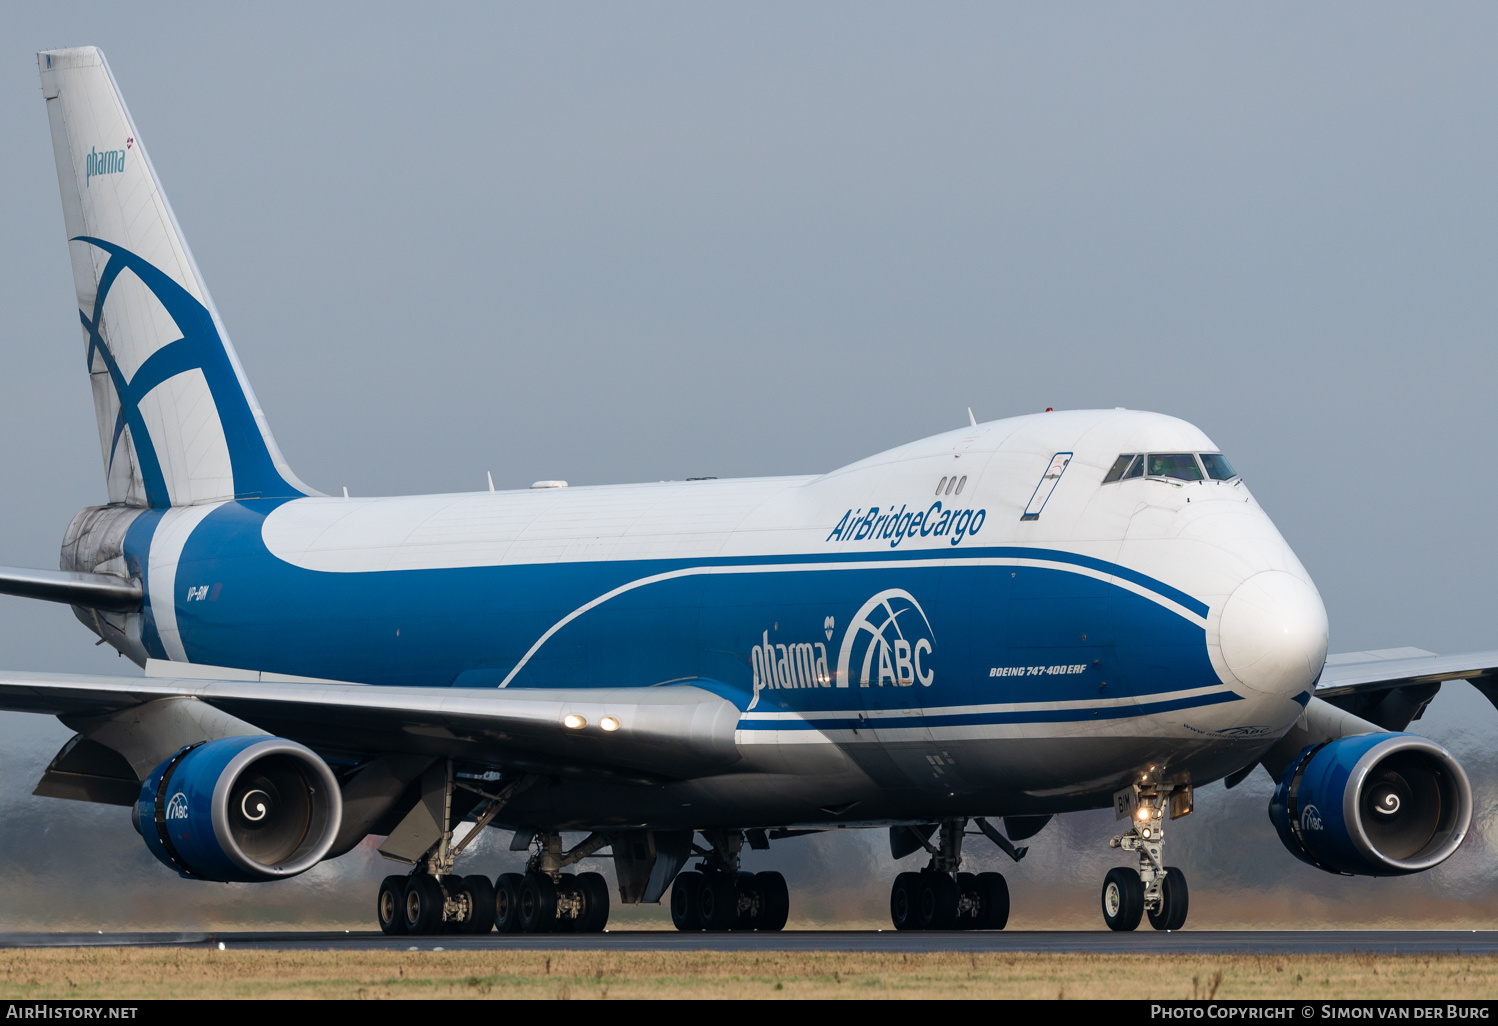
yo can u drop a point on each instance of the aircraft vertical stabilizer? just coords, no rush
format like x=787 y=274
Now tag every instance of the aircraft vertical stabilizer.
x=178 y=422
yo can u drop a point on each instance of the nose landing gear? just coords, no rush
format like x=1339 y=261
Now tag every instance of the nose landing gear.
x=1155 y=888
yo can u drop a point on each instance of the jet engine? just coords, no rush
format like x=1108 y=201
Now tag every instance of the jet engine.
x=1373 y=805
x=240 y=809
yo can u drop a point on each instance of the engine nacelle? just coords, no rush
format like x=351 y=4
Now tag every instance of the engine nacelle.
x=240 y=809
x=1373 y=805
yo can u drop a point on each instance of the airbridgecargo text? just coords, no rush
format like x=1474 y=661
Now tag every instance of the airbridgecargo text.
x=897 y=525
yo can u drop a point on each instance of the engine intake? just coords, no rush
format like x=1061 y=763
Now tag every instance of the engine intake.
x=1373 y=805
x=240 y=809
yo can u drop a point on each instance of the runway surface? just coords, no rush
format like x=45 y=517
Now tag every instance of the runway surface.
x=1394 y=942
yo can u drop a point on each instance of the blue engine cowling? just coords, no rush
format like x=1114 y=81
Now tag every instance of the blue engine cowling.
x=1373 y=805
x=240 y=809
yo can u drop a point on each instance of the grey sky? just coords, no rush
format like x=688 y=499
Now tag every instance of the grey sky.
x=629 y=242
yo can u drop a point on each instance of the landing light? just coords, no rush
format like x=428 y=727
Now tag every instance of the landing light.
x=572 y=721
x=1143 y=814
x=609 y=723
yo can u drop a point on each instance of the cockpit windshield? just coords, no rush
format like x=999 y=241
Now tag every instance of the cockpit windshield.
x=1218 y=468
x=1179 y=466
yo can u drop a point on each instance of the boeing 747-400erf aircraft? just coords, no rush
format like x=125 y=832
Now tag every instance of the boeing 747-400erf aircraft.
x=984 y=628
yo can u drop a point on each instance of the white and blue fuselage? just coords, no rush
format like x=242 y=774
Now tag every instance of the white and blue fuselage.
x=928 y=645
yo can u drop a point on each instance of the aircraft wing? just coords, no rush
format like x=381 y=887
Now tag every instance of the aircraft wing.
x=663 y=733
x=1397 y=667
x=1392 y=686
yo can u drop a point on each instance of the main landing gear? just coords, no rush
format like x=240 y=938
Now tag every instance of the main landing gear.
x=432 y=899
x=542 y=900
x=718 y=896
x=546 y=900
x=1155 y=888
x=941 y=898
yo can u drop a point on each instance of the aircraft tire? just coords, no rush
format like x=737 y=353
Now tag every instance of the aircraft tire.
x=993 y=901
x=390 y=906
x=479 y=890
x=775 y=902
x=423 y=905
x=747 y=888
x=686 y=892
x=507 y=902
x=936 y=902
x=967 y=887
x=1123 y=899
x=595 y=903
x=1175 y=901
x=718 y=902
x=569 y=889
x=902 y=901
x=538 y=903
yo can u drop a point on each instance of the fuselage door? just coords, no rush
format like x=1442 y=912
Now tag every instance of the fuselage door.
x=1048 y=480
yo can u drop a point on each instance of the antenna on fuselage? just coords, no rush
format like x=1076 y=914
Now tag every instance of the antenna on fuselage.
x=490 y=476
x=970 y=418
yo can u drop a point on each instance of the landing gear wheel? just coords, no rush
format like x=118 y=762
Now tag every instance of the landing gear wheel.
x=538 y=903
x=423 y=905
x=993 y=901
x=1174 y=901
x=686 y=891
x=595 y=891
x=903 y=901
x=936 y=902
x=1123 y=899
x=775 y=902
x=967 y=893
x=568 y=893
x=390 y=906
x=507 y=902
x=479 y=894
x=747 y=909
x=718 y=902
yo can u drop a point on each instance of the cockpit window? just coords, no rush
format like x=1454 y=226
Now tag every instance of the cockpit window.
x=1179 y=465
x=1120 y=466
x=1218 y=468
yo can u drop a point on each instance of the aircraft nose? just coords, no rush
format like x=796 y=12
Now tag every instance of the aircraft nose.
x=1273 y=633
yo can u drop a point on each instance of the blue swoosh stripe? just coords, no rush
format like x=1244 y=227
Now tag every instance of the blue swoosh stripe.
x=1112 y=712
x=1145 y=581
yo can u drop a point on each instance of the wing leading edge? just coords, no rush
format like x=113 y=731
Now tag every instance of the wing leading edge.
x=1391 y=687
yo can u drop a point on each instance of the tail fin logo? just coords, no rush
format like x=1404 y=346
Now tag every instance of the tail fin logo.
x=200 y=348
x=110 y=162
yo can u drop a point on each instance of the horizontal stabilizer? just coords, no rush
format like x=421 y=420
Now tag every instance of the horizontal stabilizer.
x=104 y=592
